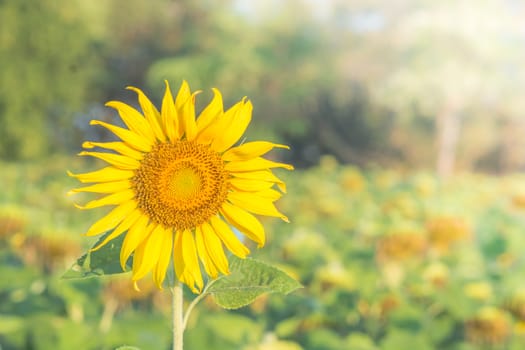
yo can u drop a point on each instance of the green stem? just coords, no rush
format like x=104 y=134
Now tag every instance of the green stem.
x=195 y=302
x=177 y=316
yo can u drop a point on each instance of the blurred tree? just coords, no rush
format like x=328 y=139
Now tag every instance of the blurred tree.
x=363 y=80
x=144 y=33
x=281 y=57
x=454 y=61
x=47 y=66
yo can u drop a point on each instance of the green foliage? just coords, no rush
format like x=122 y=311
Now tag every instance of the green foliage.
x=353 y=244
x=47 y=68
x=384 y=245
x=211 y=332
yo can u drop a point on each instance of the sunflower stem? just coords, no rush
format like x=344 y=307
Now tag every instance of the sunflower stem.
x=177 y=316
x=195 y=302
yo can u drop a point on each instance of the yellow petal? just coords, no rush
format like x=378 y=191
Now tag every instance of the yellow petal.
x=107 y=174
x=207 y=262
x=129 y=137
x=118 y=161
x=250 y=150
x=261 y=175
x=138 y=258
x=210 y=113
x=107 y=187
x=181 y=270
x=235 y=128
x=255 y=204
x=120 y=229
x=189 y=254
x=187 y=118
x=214 y=248
x=255 y=164
x=133 y=119
x=268 y=193
x=119 y=147
x=159 y=272
x=112 y=219
x=168 y=113
x=112 y=199
x=218 y=125
x=178 y=260
x=250 y=185
x=136 y=235
x=245 y=222
x=183 y=94
x=152 y=246
x=151 y=113
x=228 y=237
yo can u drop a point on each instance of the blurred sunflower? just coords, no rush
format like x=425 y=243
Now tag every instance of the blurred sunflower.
x=490 y=326
x=444 y=231
x=178 y=183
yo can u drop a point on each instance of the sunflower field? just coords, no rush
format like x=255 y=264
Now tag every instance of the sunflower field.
x=388 y=260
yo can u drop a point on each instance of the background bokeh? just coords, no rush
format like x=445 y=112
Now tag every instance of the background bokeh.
x=406 y=124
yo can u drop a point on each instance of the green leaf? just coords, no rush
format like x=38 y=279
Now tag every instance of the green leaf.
x=249 y=279
x=402 y=339
x=10 y=324
x=104 y=261
x=360 y=341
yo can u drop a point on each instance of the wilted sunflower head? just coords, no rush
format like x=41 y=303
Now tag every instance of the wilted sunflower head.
x=179 y=184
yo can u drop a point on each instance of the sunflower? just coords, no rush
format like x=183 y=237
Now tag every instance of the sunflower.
x=180 y=186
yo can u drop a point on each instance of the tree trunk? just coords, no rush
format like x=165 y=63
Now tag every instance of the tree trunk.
x=447 y=134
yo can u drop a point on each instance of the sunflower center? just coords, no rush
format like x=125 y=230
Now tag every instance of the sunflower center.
x=185 y=183
x=181 y=184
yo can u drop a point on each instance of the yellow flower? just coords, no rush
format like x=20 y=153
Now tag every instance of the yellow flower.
x=178 y=183
x=478 y=290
